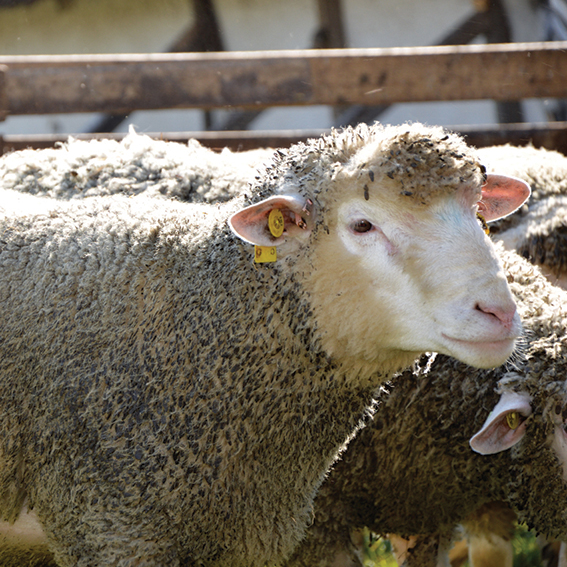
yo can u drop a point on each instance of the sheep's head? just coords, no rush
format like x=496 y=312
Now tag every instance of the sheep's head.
x=394 y=256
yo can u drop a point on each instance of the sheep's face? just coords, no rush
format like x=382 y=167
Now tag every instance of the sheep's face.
x=391 y=276
x=403 y=276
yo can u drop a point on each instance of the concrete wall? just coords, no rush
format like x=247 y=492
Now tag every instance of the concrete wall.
x=112 y=26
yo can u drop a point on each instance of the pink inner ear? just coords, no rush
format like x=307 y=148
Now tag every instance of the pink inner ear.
x=495 y=435
x=502 y=195
x=251 y=223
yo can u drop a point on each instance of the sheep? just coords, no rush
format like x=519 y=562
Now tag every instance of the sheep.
x=537 y=231
x=166 y=400
x=138 y=165
x=544 y=170
x=412 y=472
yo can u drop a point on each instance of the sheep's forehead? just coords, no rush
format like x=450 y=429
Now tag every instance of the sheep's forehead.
x=422 y=164
x=414 y=160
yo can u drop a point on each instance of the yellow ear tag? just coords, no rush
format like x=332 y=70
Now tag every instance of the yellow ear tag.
x=264 y=254
x=483 y=223
x=276 y=223
x=513 y=419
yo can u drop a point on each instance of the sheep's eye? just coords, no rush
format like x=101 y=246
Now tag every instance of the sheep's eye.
x=483 y=223
x=513 y=420
x=362 y=226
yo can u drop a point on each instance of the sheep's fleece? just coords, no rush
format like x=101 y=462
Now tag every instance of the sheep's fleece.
x=538 y=230
x=412 y=472
x=138 y=165
x=129 y=423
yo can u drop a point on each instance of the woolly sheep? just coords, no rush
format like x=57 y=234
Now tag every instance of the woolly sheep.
x=535 y=229
x=538 y=230
x=138 y=165
x=412 y=472
x=152 y=373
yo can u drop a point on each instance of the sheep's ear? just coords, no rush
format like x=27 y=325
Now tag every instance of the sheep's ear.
x=501 y=196
x=254 y=224
x=505 y=425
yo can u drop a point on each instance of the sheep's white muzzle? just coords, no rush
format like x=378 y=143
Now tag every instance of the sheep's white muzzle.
x=485 y=336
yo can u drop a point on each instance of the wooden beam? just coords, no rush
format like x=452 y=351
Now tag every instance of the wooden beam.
x=119 y=83
x=551 y=135
x=329 y=35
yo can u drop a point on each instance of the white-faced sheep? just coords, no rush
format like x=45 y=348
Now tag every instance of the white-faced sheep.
x=166 y=401
x=545 y=171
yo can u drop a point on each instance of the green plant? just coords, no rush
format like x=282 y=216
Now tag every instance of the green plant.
x=527 y=553
x=377 y=551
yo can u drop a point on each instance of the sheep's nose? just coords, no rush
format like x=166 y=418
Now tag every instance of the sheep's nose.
x=504 y=313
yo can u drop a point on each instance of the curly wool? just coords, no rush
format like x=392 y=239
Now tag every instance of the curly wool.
x=138 y=165
x=166 y=439
x=412 y=472
x=409 y=154
x=538 y=231
x=31 y=556
x=109 y=306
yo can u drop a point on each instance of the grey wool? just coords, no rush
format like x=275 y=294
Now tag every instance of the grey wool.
x=412 y=472
x=138 y=165
x=166 y=401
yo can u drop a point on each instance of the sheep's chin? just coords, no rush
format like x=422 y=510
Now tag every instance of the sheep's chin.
x=482 y=354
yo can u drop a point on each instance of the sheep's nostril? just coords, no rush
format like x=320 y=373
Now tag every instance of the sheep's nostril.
x=505 y=314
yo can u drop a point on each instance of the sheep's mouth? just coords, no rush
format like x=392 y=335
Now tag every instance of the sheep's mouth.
x=495 y=345
x=482 y=354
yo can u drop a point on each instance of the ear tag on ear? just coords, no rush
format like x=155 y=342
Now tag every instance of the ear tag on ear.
x=513 y=420
x=263 y=254
x=276 y=223
x=483 y=223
